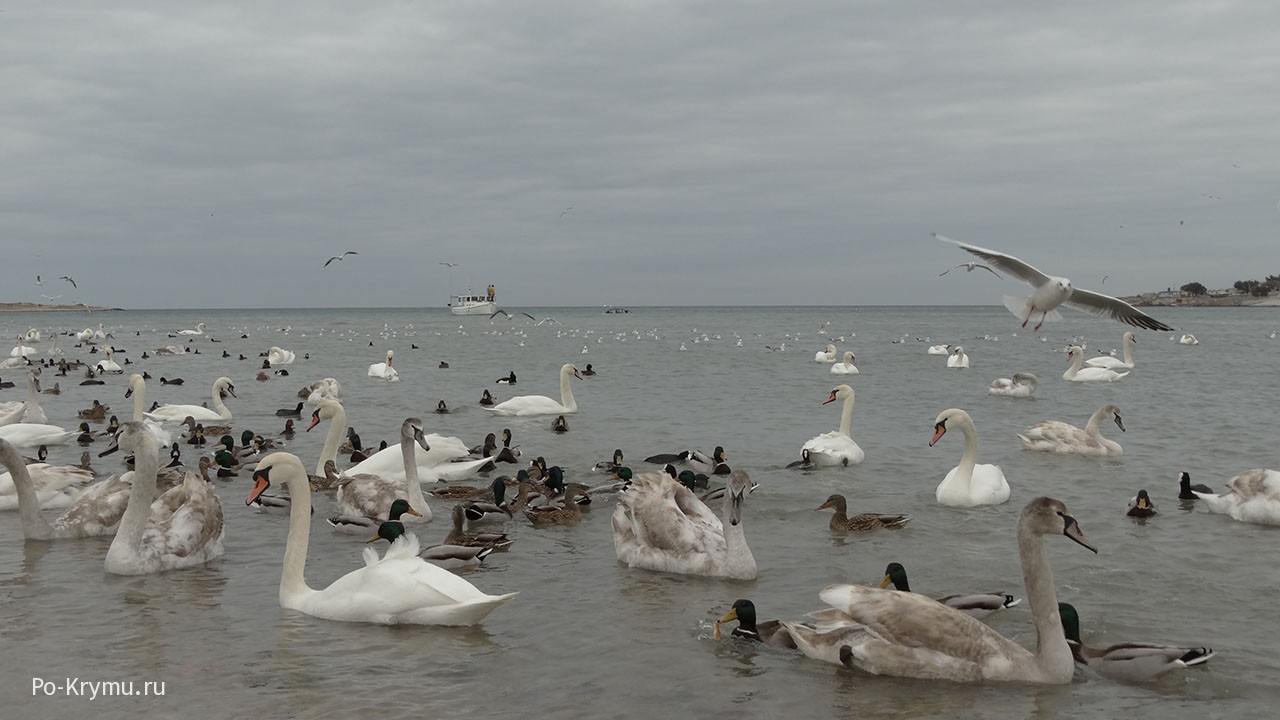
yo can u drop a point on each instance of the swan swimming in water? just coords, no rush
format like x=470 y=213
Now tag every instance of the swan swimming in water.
x=1063 y=438
x=968 y=483
x=177 y=413
x=1189 y=339
x=280 y=356
x=827 y=356
x=847 y=366
x=902 y=634
x=399 y=588
x=1253 y=496
x=199 y=330
x=1112 y=363
x=836 y=447
x=1079 y=373
x=384 y=370
x=1020 y=385
x=958 y=358
x=939 y=349
x=524 y=405
x=661 y=525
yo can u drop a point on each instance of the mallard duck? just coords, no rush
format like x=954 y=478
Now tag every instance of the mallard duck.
x=225 y=458
x=97 y=411
x=190 y=422
x=507 y=454
x=560 y=425
x=364 y=523
x=457 y=536
x=623 y=475
x=486 y=448
x=841 y=522
x=563 y=514
x=1185 y=487
x=610 y=465
x=441 y=409
x=769 y=632
x=1140 y=506
x=486 y=512
x=55 y=390
x=113 y=427
x=1129 y=662
x=197 y=437
x=976 y=605
x=887 y=632
x=449 y=557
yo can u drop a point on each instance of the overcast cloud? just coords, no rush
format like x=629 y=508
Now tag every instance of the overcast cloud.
x=215 y=154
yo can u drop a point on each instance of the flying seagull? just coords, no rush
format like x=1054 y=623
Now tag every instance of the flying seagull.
x=50 y=298
x=448 y=264
x=969 y=267
x=71 y=280
x=566 y=211
x=508 y=315
x=340 y=257
x=1050 y=292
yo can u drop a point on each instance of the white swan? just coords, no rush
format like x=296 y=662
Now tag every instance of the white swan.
x=836 y=447
x=21 y=351
x=220 y=411
x=1063 y=438
x=1189 y=339
x=541 y=404
x=968 y=483
x=827 y=356
x=1079 y=373
x=326 y=389
x=108 y=365
x=365 y=495
x=944 y=349
x=85 y=335
x=199 y=330
x=31 y=410
x=958 y=358
x=888 y=632
x=138 y=391
x=1253 y=496
x=181 y=528
x=384 y=371
x=1020 y=385
x=47 y=487
x=95 y=511
x=1108 y=361
x=661 y=525
x=278 y=356
x=32 y=336
x=846 y=366
x=27 y=435
x=399 y=588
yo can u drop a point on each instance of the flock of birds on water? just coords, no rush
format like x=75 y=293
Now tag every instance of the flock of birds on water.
x=165 y=517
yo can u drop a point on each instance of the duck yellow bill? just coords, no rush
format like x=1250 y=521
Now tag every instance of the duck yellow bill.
x=886 y=582
x=411 y=511
x=375 y=538
x=731 y=615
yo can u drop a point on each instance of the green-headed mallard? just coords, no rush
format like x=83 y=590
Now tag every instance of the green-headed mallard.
x=566 y=512
x=976 y=605
x=1140 y=506
x=1129 y=662
x=769 y=632
x=361 y=524
x=841 y=522
x=449 y=557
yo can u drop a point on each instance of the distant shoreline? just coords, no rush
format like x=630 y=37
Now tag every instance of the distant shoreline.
x=39 y=307
x=1158 y=300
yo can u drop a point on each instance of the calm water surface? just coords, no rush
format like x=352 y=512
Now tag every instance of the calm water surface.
x=589 y=638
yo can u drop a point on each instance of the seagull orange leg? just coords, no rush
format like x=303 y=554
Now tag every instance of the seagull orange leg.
x=1029 y=314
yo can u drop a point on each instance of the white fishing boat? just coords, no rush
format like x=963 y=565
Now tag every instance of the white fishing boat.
x=474 y=304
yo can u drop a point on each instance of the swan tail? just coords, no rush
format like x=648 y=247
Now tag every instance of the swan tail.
x=1021 y=309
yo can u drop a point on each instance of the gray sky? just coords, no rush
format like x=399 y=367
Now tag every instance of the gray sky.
x=215 y=154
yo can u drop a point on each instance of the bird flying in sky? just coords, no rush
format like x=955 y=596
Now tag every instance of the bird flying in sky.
x=340 y=257
x=71 y=280
x=969 y=267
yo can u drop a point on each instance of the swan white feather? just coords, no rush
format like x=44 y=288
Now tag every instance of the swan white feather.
x=968 y=483
x=837 y=447
x=524 y=405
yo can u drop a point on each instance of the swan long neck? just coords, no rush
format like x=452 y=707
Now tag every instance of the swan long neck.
x=218 y=405
x=970 y=457
x=292 y=577
x=34 y=526
x=139 y=399
x=738 y=560
x=331 y=439
x=1128 y=355
x=1077 y=363
x=566 y=392
x=846 y=417
x=1052 y=653
x=413 y=485
x=146 y=463
x=1095 y=421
